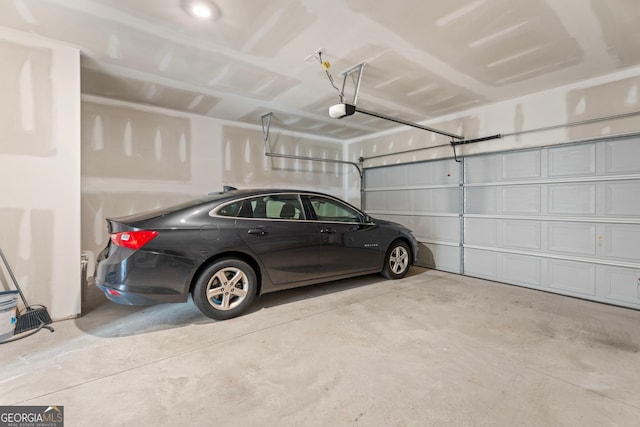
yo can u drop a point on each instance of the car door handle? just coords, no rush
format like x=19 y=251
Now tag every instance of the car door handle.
x=328 y=230
x=257 y=231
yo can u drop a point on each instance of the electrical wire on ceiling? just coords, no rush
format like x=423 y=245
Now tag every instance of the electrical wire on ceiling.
x=326 y=65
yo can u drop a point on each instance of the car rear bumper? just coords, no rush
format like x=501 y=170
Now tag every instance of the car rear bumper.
x=144 y=278
x=120 y=296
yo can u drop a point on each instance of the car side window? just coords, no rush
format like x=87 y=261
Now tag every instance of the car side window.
x=332 y=210
x=277 y=206
x=274 y=206
x=232 y=209
x=283 y=206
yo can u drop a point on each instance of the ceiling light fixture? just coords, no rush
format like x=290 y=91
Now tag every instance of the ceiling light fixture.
x=201 y=9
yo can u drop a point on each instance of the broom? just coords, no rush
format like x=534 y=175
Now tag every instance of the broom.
x=32 y=317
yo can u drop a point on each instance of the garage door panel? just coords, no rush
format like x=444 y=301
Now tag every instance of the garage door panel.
x=395 y=176
x=522 y=235
x=622 y=242
x=375 y=178
x=521 y=200
x=572 y=199
x=572 y=277
x=482 y=200
x=397 y=201
x=623 y=199
x=622 y=285
x=375 y=201
x=439 y=200
x=481 y=231
x=441 y=229
x=479 y=263
x=518 y=165
x=522 y=270
x=440 y=257
x=430 y=229
x=512 y=234
x=386 y=177
x=434 y=173
x=622 y=156
x=570 y=161
x=481 y=169
x=572 y=239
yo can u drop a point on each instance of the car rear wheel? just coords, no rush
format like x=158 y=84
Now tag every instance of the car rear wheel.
x=397 y=261
x=225 y=289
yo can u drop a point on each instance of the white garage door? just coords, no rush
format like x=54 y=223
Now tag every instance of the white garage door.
x=564 y=219
x=425 y=197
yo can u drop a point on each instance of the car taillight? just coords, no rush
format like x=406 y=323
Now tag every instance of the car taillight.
x=133 y=239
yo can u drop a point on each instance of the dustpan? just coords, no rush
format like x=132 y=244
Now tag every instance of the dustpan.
x=31 y=317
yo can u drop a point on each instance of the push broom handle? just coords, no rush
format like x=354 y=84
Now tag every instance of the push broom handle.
x=15 y=282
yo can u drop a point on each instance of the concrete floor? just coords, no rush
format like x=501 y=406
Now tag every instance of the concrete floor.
x=431 y=349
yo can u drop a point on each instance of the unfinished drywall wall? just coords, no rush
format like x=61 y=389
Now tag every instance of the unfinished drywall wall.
x=26 y=123
x=539 y=119
x=136 y=144
x=245 y=162
x=40 y=170
x=137 y=158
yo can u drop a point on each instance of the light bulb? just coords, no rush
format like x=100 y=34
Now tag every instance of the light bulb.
x=201 y=10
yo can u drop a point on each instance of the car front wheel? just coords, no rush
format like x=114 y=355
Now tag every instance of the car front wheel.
x=225 y=289
x=397 y=261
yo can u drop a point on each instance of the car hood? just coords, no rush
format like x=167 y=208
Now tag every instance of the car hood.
x=391 y=224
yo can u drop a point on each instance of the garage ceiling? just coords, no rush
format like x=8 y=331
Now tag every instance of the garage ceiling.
x=425 y=58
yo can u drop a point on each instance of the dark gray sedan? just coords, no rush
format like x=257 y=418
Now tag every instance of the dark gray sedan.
x=229 y=247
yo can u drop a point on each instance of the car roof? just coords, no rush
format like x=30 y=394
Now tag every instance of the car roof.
x=212 y=199
x=248 y=192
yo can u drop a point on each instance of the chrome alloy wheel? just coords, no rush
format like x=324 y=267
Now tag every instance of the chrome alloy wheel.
x=399 y=259
x=227 y=288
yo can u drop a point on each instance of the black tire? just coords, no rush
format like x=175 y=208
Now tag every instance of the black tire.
x=397 y=261
x=225 y=289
